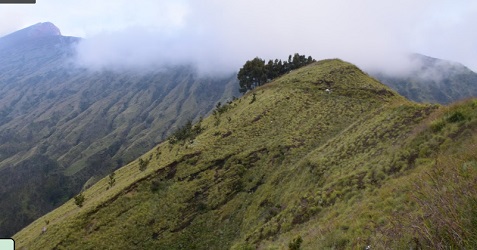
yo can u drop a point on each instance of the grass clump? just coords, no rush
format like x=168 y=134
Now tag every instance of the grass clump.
x=295 y=244
x=143 y=164
x=437 y=125
x=441 y=209
x=456 y=116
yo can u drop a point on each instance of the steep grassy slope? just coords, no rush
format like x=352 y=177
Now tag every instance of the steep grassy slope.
x=287 y=159
x=62 y=127
x=430 y=202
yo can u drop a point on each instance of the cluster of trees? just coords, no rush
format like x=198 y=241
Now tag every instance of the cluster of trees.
x=256 y=72
x=186 y=132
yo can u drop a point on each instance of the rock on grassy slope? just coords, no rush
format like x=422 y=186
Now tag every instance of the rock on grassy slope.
x=286 y=160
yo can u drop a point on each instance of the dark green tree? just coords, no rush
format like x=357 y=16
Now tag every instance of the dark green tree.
x=112 y=180
x=79 y=199
x=252 y=74
x=255 y=73
x=273 y=69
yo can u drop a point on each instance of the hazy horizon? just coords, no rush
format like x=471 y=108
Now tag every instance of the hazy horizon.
x=219 y=36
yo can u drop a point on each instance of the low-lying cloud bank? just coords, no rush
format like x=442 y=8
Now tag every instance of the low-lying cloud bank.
x=219 y=36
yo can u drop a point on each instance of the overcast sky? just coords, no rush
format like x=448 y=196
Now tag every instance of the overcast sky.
x=219 y=35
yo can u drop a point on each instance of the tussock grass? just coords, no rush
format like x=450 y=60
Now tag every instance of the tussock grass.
x=334 y=169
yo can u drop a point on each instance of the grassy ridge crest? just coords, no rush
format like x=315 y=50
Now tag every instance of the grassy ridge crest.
x=288 y=158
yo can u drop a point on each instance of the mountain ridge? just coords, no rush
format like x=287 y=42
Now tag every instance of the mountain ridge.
x=34 y=31
x=432 y=80
x=39 y=31
x=263 y=166
x=140 y=110
x=77 y=125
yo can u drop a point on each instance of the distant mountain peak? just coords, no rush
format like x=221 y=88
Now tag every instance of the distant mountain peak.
x=30 y=34
x=38 y=30
x=432 y=80
x=43 y=29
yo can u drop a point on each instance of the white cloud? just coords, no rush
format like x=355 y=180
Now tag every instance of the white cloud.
x=221 y=35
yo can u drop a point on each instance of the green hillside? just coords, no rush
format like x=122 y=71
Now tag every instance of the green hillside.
x=289 y=162
x=64 y=127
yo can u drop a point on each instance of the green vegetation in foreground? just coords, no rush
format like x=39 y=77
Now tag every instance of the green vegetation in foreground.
x=297 y=168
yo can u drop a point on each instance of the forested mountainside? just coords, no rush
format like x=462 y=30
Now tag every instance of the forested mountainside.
x=63 y=127
x=289 y=165
x=432 y=80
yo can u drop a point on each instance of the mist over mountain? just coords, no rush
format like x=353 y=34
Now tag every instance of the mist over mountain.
x=220 y=36
x=63 y=126
x=72 y=110
x=431 y=80
x=415 y=76
x=120 y=131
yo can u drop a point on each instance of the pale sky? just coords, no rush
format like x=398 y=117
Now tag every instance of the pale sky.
x=220 y=35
